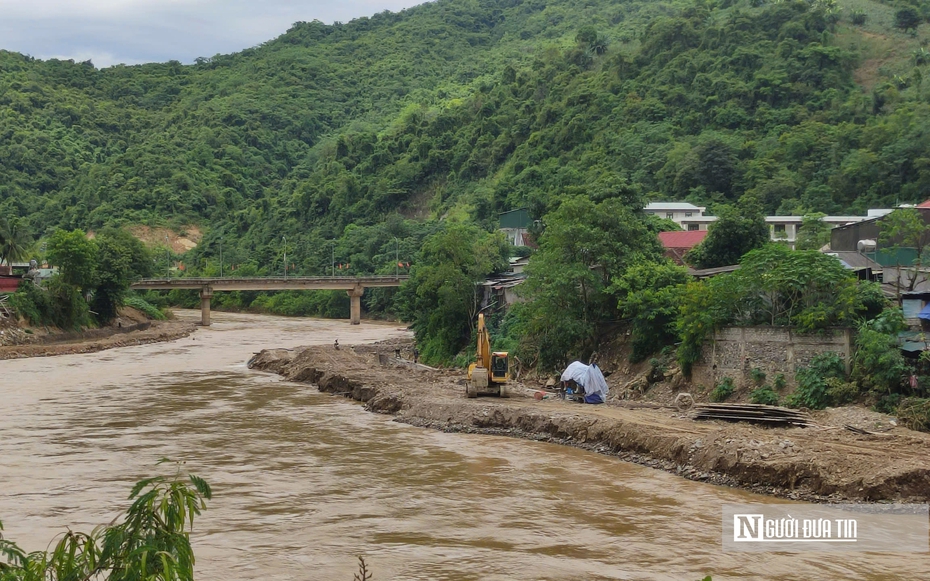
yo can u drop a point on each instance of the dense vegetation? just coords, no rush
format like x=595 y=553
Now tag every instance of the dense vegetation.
x=463 y=109
x=92 y=279
x=392 y=137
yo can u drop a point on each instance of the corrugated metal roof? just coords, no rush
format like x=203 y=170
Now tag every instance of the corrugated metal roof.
x=519 y=218
x=9 y=283
x=855 y=260
x=708 y=272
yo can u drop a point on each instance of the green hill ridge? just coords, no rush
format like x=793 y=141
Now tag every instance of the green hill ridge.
x=374 y=129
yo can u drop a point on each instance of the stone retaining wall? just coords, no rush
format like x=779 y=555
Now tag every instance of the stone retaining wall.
x=735 y=351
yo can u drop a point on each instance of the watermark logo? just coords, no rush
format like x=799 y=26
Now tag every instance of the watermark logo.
x=799 y=527
x=755 y=528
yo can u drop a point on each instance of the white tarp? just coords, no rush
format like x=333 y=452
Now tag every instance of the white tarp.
x=587 y=376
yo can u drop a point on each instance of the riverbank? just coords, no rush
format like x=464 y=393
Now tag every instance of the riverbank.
x=99 y=339
x=824 y=464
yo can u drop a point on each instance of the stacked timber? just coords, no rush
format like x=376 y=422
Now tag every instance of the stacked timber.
x=755 y=413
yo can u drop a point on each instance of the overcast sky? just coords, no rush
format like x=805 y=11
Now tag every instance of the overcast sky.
x=137 y=31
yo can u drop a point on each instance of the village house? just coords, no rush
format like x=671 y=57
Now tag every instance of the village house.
x=677 y=212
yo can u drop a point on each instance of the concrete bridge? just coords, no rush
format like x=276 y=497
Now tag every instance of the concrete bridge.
x=353 y=285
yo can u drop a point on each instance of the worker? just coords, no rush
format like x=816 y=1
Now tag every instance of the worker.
x=336 y=345
x=416 y=355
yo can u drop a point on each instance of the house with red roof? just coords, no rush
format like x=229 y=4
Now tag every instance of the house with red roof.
x=677 y=244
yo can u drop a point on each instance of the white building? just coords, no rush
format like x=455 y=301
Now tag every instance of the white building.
x=781 y=228
x=674 y=211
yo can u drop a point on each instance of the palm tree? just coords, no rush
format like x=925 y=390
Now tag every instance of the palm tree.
x=15 y=241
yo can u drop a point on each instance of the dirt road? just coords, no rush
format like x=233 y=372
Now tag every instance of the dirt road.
x=827 y=463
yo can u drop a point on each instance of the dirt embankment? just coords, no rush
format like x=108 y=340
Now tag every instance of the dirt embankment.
x=819 y=464
x=96 y=340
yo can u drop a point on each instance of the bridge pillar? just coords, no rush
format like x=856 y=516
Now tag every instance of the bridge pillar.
x=355 y=304
x=206 y=293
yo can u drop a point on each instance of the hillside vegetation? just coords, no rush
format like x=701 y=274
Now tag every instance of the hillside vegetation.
x=399 y=138
x=463 y=109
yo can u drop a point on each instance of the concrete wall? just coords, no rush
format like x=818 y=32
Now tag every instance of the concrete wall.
x=736 y=351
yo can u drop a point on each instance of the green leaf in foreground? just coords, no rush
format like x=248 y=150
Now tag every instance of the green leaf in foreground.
x=151 y=542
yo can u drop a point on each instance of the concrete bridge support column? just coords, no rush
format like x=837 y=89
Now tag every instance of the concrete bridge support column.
x=355 y=304
x=206 y=293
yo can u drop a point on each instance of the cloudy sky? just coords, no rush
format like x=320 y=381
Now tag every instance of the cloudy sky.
x=136 y=31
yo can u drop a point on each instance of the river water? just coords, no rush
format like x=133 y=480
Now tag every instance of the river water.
x=304 y=482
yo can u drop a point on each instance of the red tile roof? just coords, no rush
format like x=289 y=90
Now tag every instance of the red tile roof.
x=924 y=204
x=687 y=240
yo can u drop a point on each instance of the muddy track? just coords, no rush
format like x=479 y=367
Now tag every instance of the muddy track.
x=825 y=465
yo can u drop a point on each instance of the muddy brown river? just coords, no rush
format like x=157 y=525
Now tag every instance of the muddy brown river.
x=304 y=483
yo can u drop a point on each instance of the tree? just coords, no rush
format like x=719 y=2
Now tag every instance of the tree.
x=777 y=286
x=805 y=289
x=151 y=542
x=582 y=248
x=814 y=232
x=738 y=230
x=907 y=18
x=15 y=241
x=75 y=256
x=903 y=232
x=121 y=259
x=649 y=294
x=441 y=299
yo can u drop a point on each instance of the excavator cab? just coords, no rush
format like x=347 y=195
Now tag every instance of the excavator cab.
x=500 y=367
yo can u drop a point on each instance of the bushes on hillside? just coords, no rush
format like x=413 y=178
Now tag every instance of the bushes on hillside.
x=812 y=389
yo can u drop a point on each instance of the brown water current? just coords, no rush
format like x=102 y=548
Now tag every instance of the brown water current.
x=305 y=482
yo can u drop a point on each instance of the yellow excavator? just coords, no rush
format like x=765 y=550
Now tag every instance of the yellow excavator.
x=490 y=373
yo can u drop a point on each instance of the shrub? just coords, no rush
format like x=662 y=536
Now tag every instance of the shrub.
x=858 y=17
x=31 y=303
x=764 y=395
x=907 y=18
x=812 y=382
x=69 y=310
x=841 y=392
x=915 y=413
x=723 y=390
x=878 y=363
x=888 y=404
x=779 y=383
x=148 y=309
x=758 y=376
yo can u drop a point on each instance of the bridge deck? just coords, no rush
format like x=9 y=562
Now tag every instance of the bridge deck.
x=271 y=283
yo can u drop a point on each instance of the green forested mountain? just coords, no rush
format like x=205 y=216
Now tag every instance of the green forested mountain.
x=458 y=109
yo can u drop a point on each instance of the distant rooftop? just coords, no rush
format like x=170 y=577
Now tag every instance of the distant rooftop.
x=686 y=240
x=665 y=206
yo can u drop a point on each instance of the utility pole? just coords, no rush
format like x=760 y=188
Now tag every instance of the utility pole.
x=167 y=258
x=333 y=262
x=396 y=258
x=221 y=257
x=285 y=257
